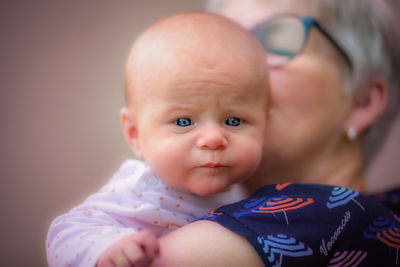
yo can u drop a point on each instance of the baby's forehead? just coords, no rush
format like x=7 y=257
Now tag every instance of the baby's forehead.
x=197 y=47
x=203 y=87
x=193 y=34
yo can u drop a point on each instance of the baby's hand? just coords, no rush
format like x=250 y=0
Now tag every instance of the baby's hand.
x=137 y=250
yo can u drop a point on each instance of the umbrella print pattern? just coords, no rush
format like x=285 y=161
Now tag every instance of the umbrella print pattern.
x=274 y=205
x=379 y=225
x=251 y=204
x=211 y=216
x=347 y=258
x=396 y=217
x=385 y=231
x=277 y=246
x=341 y=196
x=280 y=187
x=390 y=237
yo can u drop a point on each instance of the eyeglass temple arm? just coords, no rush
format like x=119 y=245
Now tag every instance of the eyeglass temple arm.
x=335 y=44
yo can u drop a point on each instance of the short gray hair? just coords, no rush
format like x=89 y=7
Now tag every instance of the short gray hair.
x=368 y=32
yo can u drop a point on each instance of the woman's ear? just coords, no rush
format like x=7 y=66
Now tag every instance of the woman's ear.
x=369 y=107
x=130 y=131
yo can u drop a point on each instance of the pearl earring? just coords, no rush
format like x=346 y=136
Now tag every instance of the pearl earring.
x=351 y=133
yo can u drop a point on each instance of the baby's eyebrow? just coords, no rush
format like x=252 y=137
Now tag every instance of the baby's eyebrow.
x=179 y=108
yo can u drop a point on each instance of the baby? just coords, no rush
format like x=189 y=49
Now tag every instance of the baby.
x=197 y=104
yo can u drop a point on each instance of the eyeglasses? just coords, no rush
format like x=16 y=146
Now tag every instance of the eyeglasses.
x=284 y=36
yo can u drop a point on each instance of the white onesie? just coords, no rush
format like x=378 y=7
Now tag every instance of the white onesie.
x=134 y=199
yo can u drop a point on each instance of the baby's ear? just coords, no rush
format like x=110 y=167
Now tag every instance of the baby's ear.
x=130 y=131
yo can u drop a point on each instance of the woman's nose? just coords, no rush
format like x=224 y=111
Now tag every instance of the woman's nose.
x=212 y=138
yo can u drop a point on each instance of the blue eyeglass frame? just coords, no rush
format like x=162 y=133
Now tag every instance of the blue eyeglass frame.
x=308 y=23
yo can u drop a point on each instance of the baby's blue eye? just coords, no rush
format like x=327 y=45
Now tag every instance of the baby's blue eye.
x=232 y=121
x=183 y=122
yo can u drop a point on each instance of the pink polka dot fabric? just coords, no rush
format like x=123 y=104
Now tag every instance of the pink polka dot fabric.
x=134 y=199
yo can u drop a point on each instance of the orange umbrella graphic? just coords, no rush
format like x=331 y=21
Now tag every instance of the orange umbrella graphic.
x=386 y=231
x=283 y=204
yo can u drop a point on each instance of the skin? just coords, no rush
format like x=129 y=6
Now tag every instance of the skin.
x=306 y=137
x=206 y=84
x=214 y=73
x=134 y=250
x=208 y=244
x=310 y=112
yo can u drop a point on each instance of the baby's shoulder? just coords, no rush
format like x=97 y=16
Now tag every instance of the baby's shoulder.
x=131 y=174
x=130 y=167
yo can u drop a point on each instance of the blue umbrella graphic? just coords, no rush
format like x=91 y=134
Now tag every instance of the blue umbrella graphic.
x=341 y=196
x=379 y=225
x=386 y=231
x=282 y=245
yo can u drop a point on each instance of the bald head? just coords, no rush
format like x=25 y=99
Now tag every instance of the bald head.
x=191 y=44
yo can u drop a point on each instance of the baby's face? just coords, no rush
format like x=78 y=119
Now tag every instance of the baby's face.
x=201 y=132
x=200 y=117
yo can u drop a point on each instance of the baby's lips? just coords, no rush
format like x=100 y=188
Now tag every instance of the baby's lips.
x=212 y=165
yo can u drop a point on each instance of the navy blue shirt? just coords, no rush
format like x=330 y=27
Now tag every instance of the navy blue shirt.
x=314 y=225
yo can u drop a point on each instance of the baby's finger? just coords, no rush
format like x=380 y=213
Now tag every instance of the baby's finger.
x=113 y=258
x=149 y=244
x=136 y=256
x=103 y=262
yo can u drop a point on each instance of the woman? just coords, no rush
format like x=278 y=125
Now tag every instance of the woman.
x=334 y=93
x=327 y=98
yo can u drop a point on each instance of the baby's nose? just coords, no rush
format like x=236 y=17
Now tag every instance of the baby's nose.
x=212 y=138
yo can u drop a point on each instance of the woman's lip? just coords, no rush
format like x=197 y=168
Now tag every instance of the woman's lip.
x=212 y=165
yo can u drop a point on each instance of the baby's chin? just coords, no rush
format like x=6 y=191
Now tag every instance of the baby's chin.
x=204 y=190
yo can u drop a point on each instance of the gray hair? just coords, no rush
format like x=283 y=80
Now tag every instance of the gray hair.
x=368 y=31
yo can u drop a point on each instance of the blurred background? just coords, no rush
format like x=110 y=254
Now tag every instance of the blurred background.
x=62 y=79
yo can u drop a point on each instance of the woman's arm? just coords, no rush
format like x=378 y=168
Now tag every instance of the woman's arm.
x=206 y=243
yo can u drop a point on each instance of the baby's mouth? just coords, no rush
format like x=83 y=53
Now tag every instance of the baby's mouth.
x=212 y=165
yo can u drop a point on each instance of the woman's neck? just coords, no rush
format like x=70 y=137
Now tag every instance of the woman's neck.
x=342 y=168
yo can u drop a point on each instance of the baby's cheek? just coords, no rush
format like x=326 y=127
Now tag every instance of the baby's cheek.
x=249 y=158
x=167 y=165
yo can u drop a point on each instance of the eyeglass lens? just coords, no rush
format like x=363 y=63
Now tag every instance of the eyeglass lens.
x=282 y=38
